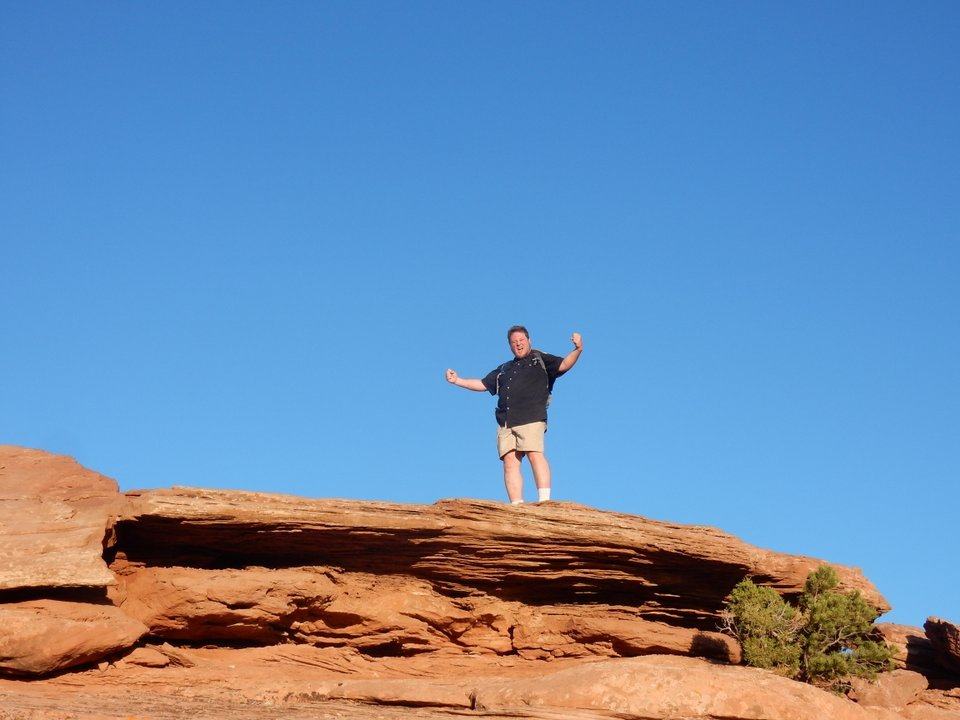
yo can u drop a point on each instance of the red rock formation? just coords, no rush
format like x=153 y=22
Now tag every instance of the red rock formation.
x=54 y=518
x=42 y=636
x=550 y=553
x=894 y=690
x=388 y=614
x=913 y=649
x=935 y=705
x=300 y=682
x=258 y=606
x=54 y=515
x=944 y=636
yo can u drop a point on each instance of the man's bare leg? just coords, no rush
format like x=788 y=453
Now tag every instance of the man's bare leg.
x=512 y=478
x=541 y=473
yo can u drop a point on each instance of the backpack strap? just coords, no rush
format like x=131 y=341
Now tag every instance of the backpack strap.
x=538 y=358
x=499 y=373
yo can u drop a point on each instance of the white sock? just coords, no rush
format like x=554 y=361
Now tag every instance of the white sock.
x=516 y=502
x=543 y=494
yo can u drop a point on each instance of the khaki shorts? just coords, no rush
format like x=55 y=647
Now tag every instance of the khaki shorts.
x=524 y=438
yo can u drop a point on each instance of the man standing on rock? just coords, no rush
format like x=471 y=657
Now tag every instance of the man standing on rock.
x=523 y=386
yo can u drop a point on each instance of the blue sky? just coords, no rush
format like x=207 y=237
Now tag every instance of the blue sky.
x=241 y=243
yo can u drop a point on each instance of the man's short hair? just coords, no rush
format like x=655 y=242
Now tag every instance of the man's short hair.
x=517 y=328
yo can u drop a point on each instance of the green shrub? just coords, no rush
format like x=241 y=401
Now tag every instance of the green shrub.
x=766 y=627
x=825 y=640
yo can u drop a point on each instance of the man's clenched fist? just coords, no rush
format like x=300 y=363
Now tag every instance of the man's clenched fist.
x=576 y=340
x=451 y=376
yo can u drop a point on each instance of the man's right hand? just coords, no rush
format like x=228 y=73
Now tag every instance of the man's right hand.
x=452 y=376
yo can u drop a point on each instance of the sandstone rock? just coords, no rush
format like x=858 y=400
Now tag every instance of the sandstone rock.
x=398 y=615
x=43 y=636
x=54 y=515
x=301 y=681
x=254 y=605
x=894 y=690
x=648 y=688
x=933 y=705
x=913 y=649
x=146 y=657
x=570 y=631
x=393 y=615
x=177 y=658
x=552 y=553
x=944 y=636
x=297 y=608
x=928 y=712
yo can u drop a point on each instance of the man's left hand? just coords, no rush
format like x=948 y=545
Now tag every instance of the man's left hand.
x=577 y=341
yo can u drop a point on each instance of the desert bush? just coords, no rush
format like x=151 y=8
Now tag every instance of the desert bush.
x=766 y=626
x=825 y=640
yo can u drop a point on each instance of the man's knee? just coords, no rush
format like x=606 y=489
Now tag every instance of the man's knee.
x=512 y=459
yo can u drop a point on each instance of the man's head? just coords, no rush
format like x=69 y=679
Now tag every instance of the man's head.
x=519 y=340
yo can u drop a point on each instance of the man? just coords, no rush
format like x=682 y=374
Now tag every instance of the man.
x=523 y=387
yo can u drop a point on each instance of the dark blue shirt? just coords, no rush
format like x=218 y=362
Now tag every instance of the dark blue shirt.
x=522 y=386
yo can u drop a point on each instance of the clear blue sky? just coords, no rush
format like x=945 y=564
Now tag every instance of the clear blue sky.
x=242 y=241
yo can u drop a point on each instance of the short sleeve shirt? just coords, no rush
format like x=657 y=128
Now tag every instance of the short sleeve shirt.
x=522 y=387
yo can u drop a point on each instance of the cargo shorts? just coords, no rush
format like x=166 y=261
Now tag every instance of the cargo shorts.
x=523 y=438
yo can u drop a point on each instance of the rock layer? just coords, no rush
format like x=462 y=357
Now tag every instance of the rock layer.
x=54 y=515
x=685 y=688
x=43 y=636
x=306 y=682
x=912 y=647
x=385 y=615
x=894 y=690
x=944 y=636
x=551 y=553
x=258 y=606
x=682 y=688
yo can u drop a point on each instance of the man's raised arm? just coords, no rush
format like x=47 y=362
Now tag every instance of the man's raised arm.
x=571 y=359
x=469 y=384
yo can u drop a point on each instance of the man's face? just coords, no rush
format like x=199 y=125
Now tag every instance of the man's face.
x=519 y=344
